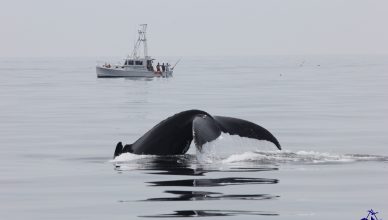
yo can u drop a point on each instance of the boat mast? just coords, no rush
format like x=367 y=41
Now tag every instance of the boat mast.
x=142 y=33
x=140 y=39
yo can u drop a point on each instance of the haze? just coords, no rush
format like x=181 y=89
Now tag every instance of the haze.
x=45 y=28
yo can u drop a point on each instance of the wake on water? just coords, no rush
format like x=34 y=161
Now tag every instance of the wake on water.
x=232 y=149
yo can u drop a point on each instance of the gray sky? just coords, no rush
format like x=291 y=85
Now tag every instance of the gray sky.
x=43 y=28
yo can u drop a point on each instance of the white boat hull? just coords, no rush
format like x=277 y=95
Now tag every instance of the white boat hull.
x=128 y=72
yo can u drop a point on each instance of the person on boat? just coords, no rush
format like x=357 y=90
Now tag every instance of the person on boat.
x=167 y=67
x=158 y=68
x=149 y=65
x=163 y=67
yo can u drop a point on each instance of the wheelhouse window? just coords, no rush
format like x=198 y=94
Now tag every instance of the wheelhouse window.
x=137 y=62
x=128 y=62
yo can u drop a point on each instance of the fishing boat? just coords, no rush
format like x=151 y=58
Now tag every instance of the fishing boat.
x=135 y=65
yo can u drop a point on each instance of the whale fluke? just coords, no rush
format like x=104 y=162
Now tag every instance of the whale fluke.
x=174 y=135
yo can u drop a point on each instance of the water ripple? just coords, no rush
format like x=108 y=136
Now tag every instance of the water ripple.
x=210 y=213
x=215 y=182
x=203 y=195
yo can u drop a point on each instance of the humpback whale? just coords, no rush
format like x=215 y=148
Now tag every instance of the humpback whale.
x=174 y=135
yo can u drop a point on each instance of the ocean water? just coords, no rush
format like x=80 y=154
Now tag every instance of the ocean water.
x=59 y=125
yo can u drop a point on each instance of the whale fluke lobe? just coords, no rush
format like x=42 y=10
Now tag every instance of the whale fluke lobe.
x=243 y=128
x=174 y=135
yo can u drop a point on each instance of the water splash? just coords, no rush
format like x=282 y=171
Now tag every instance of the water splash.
x=300 y=157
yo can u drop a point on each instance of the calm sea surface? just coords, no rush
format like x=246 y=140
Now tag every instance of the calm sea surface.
x=59 y=125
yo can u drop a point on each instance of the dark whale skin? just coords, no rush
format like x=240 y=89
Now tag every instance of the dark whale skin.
x=174 y=135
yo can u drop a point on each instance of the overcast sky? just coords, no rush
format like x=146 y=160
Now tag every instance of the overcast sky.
x=42 y=28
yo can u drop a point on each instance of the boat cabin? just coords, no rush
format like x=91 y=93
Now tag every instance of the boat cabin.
x=136 y=63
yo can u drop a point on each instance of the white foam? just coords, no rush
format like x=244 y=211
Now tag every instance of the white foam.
x=129 y=157
x=286 y=156
x=247 y=156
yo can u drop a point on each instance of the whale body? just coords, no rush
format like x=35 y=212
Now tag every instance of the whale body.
x=174 y=135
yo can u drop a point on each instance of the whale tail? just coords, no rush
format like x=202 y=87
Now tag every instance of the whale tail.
x=175 y=134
